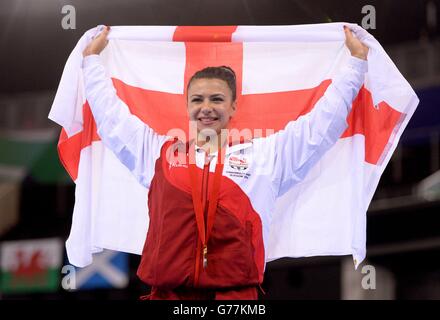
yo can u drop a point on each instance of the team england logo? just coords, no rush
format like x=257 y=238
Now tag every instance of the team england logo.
x=238 y=163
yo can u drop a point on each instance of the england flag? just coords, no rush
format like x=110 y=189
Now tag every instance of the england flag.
x=282 y=71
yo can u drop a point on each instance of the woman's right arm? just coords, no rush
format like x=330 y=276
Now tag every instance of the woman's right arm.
x=133 y=142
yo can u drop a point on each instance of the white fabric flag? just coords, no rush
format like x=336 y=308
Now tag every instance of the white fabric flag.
x=325 y=214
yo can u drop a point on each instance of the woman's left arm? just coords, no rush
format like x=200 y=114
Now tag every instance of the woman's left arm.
x=300 y=145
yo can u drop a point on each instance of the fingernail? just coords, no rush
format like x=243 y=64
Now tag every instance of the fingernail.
x=108 y=27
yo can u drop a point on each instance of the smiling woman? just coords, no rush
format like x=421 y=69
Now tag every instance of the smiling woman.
x=211 y=103
x=209 y=217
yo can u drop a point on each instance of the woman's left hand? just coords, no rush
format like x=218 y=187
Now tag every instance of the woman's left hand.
x=356 y=47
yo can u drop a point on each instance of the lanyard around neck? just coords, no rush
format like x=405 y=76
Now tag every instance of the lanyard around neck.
x=212 y=198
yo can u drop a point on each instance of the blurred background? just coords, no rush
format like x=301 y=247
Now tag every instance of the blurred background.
x=37 y=196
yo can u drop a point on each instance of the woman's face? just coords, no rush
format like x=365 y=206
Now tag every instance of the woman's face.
x=210 y=104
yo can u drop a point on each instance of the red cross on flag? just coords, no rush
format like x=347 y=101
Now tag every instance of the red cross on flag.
x=282 y=71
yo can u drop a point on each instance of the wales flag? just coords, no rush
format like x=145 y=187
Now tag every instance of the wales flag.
x=30 y=265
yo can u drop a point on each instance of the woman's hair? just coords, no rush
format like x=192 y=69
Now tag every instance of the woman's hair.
x=223 y=73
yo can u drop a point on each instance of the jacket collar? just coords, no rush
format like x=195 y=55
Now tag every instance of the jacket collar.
x=230 y=148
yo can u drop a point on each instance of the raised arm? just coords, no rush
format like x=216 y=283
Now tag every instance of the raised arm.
x=299 y=146
x=133 y=142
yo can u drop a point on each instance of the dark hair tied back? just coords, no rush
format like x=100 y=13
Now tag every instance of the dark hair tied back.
x=224 y=73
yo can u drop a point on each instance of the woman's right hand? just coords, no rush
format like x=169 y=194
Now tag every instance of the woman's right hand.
x=97 y=44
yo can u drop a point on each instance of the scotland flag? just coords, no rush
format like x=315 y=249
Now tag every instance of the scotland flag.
x=110 y=269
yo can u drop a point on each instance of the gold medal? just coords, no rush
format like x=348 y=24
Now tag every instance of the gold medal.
x=205 y=256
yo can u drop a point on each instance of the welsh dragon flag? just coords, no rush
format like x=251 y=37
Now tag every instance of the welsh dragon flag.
x=281 y=72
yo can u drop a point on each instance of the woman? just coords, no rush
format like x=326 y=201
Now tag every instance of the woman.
x=210 y=199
